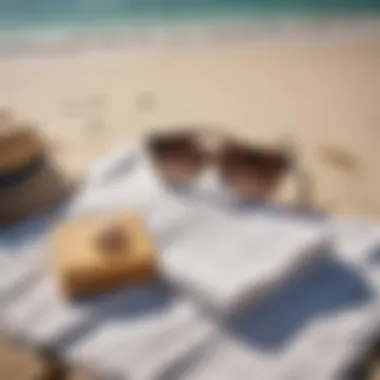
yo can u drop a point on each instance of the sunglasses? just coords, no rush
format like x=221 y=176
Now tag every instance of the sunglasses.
x=249 y=171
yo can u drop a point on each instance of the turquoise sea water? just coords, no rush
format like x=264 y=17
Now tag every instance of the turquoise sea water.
x=26 y=14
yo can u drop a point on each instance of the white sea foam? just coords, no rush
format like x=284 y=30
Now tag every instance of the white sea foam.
x=82 y=40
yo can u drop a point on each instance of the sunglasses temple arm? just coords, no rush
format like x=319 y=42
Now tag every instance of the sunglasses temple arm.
x=304 y=189
x=304 y=198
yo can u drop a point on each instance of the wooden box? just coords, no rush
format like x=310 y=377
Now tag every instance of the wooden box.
x=102 y=254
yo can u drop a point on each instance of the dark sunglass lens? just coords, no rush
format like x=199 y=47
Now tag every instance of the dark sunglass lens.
x=237 y=157
x=275 y=163
x=254 y=160
x=168 y=145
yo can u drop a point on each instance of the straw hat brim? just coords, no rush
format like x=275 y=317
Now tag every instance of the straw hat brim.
x=44 y=189
x=19 y=147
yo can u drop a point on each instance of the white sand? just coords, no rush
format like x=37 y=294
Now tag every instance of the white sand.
x=326 y=96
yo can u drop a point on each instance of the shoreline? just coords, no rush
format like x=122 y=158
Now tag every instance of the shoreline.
x=106 y=39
